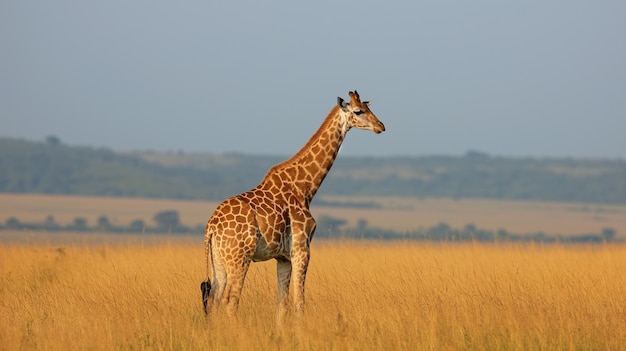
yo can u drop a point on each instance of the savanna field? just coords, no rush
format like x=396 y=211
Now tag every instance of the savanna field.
x=110 y=294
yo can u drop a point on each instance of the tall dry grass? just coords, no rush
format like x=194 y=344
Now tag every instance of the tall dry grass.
x=370 y=295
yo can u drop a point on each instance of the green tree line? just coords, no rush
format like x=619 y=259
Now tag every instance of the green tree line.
x=51 y=167
x=168 y=221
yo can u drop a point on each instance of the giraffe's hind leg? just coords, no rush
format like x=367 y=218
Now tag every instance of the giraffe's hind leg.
x=233 y=244
x=236 y=268
x=220 y=280
x=236 y=276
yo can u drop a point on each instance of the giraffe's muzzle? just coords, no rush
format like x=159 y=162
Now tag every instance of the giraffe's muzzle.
x=379 y=128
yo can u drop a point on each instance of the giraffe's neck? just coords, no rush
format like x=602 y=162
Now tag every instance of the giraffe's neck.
x=305 y=171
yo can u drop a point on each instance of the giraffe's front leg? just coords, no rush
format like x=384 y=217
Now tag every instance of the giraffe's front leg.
x=300 y=255
x=283 y=269
x=300 y=261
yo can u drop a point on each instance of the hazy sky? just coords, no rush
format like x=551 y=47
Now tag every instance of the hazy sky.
x=512 y=78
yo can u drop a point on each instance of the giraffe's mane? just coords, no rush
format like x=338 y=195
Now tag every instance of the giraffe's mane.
x=304 y=150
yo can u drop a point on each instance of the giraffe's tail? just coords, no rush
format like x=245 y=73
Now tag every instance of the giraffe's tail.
x=205 y=286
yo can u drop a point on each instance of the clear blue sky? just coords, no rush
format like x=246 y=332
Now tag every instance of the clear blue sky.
x=512 y=78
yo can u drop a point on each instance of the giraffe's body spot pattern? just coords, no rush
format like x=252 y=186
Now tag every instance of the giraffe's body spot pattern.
x=273 y=221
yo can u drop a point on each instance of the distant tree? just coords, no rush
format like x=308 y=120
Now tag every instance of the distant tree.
x=13 y=223
x=502 y=234
x=608 y=234
x=138 y=225
x=167 y=220
x=476 y=154
x=327 y=225
x=53 y=140
x=441 y=231
x=361 y=224
x=468 y=233
x=104 y=223
x=50 y=223
x=330 y=222
x=470 y=228
x=80 y=223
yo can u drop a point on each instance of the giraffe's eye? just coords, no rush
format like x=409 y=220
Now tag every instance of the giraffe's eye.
x=358 y=112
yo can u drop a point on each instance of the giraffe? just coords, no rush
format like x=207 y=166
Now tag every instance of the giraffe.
x=272 y=220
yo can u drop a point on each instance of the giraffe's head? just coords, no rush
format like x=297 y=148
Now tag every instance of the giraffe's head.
x=358 y=114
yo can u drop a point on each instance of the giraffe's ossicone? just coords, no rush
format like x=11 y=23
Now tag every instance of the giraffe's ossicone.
x=273 y=221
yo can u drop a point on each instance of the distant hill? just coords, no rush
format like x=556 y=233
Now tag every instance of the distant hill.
x=52 y=167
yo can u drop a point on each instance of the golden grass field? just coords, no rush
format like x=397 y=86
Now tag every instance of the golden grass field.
x=400 y=214
x=144 y=294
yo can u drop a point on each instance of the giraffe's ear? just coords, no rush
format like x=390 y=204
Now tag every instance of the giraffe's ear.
x=342 y=104
x=367 y=102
